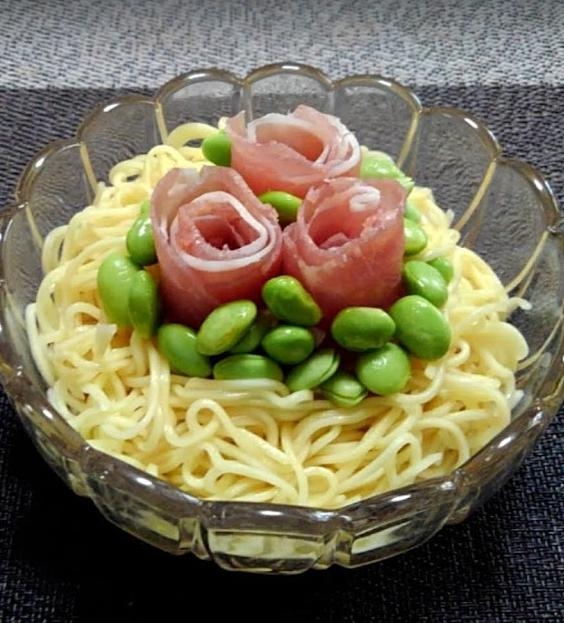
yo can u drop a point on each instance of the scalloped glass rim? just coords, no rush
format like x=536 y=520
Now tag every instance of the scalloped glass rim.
x=455 y=496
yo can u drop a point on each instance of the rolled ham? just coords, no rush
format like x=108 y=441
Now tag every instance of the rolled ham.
x=292 y=152
x=215 y=241
x=347 y=244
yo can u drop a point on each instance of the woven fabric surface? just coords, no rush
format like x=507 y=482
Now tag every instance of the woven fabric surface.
x=116 y=43
x=60 y=561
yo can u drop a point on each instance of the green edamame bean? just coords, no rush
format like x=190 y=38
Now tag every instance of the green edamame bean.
x=290 y=302
x=415 y=237
x=420 y=327
x=113 y=280
x=217 y=149
x=144 y=207
x=247 y=366
x=143 y=304
x=288 y=344
x=411 y=212
x=140 y=241
x=421 y=278
x=225 y=326
x=444 y=266
x=344 y=389
x=313 y=371
x=362 y=328
x=284 y=203
x=177 y=343
x=385 y=370
x=377 y=164
x=252 y=338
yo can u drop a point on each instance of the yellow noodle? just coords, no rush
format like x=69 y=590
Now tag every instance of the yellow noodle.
x=253 y=440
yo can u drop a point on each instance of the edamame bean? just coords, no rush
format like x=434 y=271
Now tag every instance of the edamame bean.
x=288 y=344
x=284 y=203
x=421 y=278
x=143 y=304
x=144 y=207
x=140 y=241
x=421 y=327
x=362 y=328
x=444 y=266
x=217 y=149
x=411 y=211
x=225 y=326
x=313 y=371
x=344 y=389
x=247 y=366
x=290 y=302
x=377 y=164
x=113 y=280
x=177 y=343
x=415 y=237
x=252 y=338
x=385 y=370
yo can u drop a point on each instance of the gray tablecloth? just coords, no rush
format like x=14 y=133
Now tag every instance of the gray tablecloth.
x=504 y=61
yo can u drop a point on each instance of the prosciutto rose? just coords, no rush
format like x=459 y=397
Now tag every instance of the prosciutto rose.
x=347 y=244
x=292 y=152
x=215 y=241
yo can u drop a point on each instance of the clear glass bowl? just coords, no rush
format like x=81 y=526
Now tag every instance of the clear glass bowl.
x=503 y=208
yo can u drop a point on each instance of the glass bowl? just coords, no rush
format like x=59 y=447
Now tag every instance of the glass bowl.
x=503 y=208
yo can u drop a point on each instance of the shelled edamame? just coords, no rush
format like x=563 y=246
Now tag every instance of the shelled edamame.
x=128 y=292
x=217 y=149
x=285 y=204
x=115 y=274
x=225 y=326
x=139 y=241
x=379 y=165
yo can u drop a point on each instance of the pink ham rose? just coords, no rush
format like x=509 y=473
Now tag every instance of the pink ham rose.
x=292 y=152
x=347 y=244
x=215 y=241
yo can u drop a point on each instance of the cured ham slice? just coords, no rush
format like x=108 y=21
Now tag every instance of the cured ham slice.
x=215 y=241
x=292 y=152
x=347 y=244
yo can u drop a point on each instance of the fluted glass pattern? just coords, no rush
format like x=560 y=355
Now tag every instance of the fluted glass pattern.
x=504 y=209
